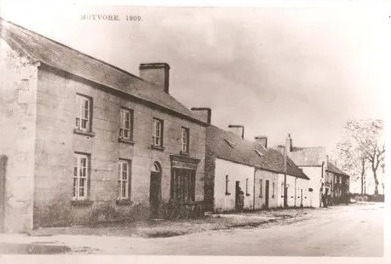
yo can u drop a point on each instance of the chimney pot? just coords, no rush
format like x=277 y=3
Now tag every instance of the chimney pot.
x=156 y=73
x=262 y=140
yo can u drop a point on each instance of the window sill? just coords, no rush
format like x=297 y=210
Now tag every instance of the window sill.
x=123 y=202
x=85 y=202
x=85 y=133
x=227 y=193
x=184 y=153
x=160 y=148
x=126 y=141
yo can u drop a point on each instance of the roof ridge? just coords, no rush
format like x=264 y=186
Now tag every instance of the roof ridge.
x=73 y=49
x=39 y=47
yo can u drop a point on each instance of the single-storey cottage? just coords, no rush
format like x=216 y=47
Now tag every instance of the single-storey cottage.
x=234 y=165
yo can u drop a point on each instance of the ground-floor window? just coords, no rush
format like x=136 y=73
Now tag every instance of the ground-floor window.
x=274 y=187
x=81 y=176
x=183 y=185
x=124 y=179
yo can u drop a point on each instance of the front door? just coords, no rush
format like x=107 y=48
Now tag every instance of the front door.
x=267 y=195
x=237 y=195
x=301 y=198
x=154 y=193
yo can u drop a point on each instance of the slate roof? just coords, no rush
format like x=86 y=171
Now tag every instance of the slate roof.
x=334 y=169
x=313 y=156
x=46 y=51
x=228 y=146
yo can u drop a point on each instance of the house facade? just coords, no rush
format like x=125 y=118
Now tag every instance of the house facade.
x=325 y=178
x=234 y=164
x=83 y=141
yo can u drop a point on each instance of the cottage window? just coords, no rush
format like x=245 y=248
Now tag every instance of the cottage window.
x=157 y=137
x=124 y=179
x=247 y=194
x=260 y=188
x=227 y=185
x=80 y=176
x=83 y=117
x=126 y=125
x=282 y=190
x=185 y=140
x=183 y=185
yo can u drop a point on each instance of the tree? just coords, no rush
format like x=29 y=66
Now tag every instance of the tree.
x=352 y=161
x=362 y=146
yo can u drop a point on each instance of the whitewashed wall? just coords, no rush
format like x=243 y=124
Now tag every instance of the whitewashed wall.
x=260 y=197
x=235 y=172
x=315 y=182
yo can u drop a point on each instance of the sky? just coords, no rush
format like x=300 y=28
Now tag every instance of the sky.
x=275 y=70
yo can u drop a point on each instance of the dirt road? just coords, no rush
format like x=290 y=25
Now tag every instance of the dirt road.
x=355 y=230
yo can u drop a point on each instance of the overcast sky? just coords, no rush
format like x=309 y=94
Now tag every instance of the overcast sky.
x=273 y=70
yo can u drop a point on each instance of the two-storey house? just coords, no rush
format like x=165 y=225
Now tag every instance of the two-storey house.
x=83 y=141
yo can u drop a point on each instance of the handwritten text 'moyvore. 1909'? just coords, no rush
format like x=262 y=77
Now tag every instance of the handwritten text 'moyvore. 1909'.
x=109 y=17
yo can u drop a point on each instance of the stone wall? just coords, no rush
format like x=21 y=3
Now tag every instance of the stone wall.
x=56 y=144
x=17 y=136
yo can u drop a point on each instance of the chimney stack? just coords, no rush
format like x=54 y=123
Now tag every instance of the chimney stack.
x=289 y=144
x=156 y=73
x=203 y=113
x=237 y=130
x=262 y=140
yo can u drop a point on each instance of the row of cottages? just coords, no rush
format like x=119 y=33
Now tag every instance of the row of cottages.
x=326 y=179
x=83 y=141
x=234 y=164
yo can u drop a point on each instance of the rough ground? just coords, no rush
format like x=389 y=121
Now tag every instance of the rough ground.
x=354 y=230
x=169 y=228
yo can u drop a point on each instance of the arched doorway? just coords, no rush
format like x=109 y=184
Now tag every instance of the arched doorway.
x=155 y=189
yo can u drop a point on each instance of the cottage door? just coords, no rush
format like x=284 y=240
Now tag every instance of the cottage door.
x=301 y=198
x=154 y=191
x=267 y=194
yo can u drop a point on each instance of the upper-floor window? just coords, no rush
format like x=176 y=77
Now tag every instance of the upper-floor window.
x=124 y=179
x=185 y=140
x=126 y=125
x=80 y=176
x=157 y=136
x=83 y=116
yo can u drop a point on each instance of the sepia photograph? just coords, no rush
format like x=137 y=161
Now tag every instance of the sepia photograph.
x=198 y=130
